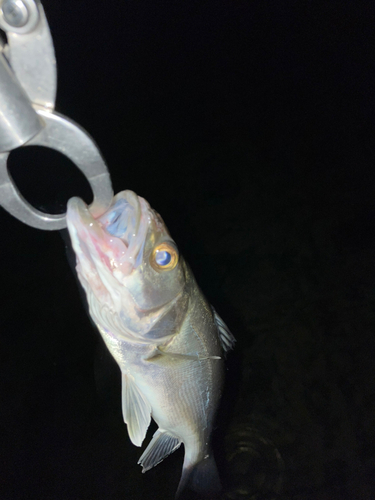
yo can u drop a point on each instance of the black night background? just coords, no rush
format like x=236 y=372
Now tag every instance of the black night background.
x=249 y=126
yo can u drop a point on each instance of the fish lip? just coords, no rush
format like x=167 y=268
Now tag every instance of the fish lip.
x=81 y=223
x=77 y=205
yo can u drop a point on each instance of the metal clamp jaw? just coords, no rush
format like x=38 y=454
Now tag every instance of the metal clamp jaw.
x=27 y=98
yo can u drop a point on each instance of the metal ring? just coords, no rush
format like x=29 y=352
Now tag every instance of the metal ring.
x=30 y=14
x=71 y=140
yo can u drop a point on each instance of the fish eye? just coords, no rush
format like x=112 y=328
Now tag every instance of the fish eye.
x=164 y=257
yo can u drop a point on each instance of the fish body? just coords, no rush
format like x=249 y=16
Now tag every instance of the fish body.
x=166 y=338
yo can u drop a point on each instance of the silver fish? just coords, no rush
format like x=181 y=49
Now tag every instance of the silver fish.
x=167 y=340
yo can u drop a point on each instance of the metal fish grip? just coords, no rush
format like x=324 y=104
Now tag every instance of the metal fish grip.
x=28 y=81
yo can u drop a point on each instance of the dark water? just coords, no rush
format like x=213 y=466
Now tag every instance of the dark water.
x=250 y=127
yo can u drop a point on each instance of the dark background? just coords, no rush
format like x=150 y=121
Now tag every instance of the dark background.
x=250 y=127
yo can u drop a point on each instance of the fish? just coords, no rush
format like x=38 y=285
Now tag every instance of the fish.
x=167 y=340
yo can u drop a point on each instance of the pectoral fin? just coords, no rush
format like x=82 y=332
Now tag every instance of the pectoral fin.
x=227 y=340
x=161 y=445
x=136 y=410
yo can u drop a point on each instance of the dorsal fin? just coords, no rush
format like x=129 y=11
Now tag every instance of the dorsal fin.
x=226 y=338
x=136 y=410
x=161 y=445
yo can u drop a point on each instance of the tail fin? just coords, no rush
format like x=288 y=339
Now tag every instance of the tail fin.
x=203 y=478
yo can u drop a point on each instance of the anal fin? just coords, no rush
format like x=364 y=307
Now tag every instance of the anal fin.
x=136 y=410
x=161 y=445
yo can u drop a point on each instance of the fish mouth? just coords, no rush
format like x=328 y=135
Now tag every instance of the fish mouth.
x=116 y=238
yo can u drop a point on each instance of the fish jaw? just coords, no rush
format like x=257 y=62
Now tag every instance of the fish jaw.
x=106 y=255
x=103 y=263
x=105 y=240
x=96 y=251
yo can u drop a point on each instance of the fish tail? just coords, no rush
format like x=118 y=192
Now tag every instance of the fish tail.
x=201 y=477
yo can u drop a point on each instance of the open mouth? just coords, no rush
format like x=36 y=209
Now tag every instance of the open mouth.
x=117 y=237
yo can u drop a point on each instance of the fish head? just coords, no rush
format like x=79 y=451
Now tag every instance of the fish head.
x=129 y=267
